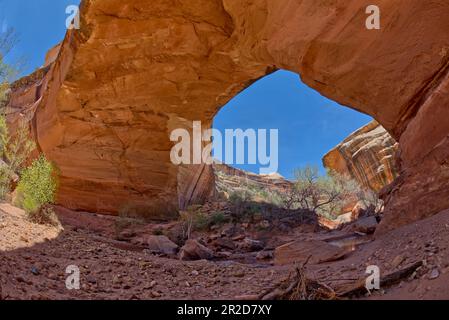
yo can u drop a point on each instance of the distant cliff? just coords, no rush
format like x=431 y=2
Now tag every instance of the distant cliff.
x=367 y=155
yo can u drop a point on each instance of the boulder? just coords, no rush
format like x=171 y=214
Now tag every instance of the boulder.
x=193 y=250
x=300 y=251
x=264 y=255
x=223 y=243
x=366 y=225
x=250 y=245
x=161 y=244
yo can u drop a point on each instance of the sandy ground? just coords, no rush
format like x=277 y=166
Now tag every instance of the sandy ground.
x=34 y=258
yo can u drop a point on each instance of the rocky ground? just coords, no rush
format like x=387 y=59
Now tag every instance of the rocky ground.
x=34 y=258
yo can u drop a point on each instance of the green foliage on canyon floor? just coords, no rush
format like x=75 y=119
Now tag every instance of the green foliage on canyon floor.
x=37 y=185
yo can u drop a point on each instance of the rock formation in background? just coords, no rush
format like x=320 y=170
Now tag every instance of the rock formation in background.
x=104 y=110
x=230 y=179
x=367 y=155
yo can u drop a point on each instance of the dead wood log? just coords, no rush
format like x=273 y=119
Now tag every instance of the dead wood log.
x=298 y=287
x=358 y=288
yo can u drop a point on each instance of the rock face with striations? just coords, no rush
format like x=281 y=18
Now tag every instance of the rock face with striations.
x=104 y=109
x=367 y=155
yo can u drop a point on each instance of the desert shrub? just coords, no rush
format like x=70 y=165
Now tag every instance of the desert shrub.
x=37 y=185
x=218 y=218
x=193 y=219
x=240 y=196
x=200 y=221
x=3 y=90
x=149 y=211
x=5 y=180
x=325 y=195
x=13 y=153
x=128 y=217
x=275 y=198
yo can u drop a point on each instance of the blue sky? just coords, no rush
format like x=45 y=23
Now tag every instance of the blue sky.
x=40 y=24
x=309 y=124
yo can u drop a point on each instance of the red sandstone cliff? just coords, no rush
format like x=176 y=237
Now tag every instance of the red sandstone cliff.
x=367 y=155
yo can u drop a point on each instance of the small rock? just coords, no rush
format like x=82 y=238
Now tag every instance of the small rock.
x=193 y=250
x=161 y=244
x=20 y=279
x=224 y=243
x=116 y=280
x=224 y=254
x=239 y=237
x=264 y=255
x=239 y=274
x=195 y=273
x=35 y=271
x=434 y=274
x=397 y=261
x=91 y=279
x=251 y=245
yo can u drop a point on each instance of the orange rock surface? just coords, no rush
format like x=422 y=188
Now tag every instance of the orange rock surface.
x=368 y=156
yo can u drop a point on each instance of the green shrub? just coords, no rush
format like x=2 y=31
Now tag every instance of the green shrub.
x=194 y=220
x=37 y=185
x=218 y=218
x=326 y=195
x=128 y=218
x=239 y=197
x=5 y=180
x=201 y=222
x=14 y=150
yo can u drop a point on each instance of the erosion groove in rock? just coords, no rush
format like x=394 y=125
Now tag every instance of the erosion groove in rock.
x=137 y=69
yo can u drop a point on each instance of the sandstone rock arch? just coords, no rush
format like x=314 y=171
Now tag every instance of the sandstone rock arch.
x=105 y=104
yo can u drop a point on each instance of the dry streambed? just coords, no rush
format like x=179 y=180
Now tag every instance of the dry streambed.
x=413 y=261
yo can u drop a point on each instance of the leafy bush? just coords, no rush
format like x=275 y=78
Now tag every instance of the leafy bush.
x=13 y=153
x=240 y=196
x=325 y=195
x=218 y=218
x=5 y=180
x=128 y=218
x=195 y=220
x=37 y=185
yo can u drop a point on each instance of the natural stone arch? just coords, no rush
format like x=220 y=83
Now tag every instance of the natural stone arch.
x=139 y=68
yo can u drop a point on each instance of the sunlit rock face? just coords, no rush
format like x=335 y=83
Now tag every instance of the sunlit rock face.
x=137 y=69
x=367 y=155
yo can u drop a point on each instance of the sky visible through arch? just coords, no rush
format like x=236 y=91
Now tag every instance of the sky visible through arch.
x=309 y=124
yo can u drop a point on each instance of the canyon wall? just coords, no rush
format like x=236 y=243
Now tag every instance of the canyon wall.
x=137 y=69
x=367 y=155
